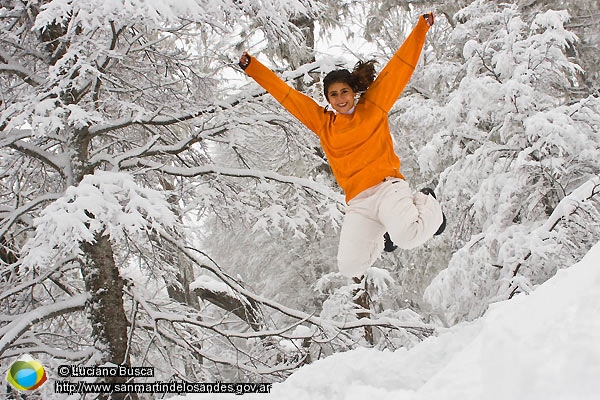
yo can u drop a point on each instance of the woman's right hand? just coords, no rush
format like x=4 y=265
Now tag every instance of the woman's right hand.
x=244 y=60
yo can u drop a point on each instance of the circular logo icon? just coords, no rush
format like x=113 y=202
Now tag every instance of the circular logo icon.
x=26 y=374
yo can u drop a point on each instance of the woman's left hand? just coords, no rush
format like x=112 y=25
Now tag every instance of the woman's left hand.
x=429 y=18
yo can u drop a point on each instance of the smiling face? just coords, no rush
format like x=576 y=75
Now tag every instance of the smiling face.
x=341 y=97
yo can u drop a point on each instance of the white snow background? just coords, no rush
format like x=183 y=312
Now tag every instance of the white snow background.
x=545 y=345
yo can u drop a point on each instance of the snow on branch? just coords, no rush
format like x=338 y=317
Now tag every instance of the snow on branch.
x=571 y=203
x=10 y=66
x=256 y=365
x=240 y=173
x=47 y=158
x=90 y=14
x=11 y=332
x=110 y=203
x=151 y=148
x=10 y=217
x=321 y=323
x=38 y=279
x=150 y=120
x=221 y=295
x=14 y=138
x=568 y=206
x=13 y=135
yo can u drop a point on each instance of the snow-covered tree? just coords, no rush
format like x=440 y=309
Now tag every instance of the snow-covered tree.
x=118 y=142
x=583 y=21
x=518 y=159
x=156 y=212
x=97 y=99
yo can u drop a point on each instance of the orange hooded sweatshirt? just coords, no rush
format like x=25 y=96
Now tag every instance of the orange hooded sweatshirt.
x=358 y=146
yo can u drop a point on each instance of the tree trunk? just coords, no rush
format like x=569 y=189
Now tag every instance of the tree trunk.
x=185 y=276
x=363 y=301
x=106 y=311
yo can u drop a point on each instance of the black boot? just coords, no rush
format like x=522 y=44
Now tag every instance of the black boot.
x=430 y=192
x=388 y=245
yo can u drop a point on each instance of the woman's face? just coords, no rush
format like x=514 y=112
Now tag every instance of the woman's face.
x=341 y=97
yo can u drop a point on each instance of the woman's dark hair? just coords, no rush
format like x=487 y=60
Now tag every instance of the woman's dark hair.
x=359 y=79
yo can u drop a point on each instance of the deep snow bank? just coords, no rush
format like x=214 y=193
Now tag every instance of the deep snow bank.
x=543 y=346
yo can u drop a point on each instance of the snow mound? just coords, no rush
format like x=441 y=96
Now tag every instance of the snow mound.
x=545 y=345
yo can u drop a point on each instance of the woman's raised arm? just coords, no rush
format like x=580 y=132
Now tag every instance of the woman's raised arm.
x=298 y=104
x=395 y=75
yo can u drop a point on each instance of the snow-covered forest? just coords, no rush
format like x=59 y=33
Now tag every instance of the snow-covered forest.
x=159 y=209
x=538 y=346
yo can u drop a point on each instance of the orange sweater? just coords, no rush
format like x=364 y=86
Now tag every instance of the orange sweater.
x=358 y=146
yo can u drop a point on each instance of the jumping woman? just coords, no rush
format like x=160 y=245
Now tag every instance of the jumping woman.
x=356 y=138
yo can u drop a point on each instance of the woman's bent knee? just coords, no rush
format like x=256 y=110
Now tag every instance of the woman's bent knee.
x=351 y=268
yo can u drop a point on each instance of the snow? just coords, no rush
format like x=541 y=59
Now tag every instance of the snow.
x=11 y=332
x=105 y=201
x=207 y=283
x=505 y=116
x=545 y=345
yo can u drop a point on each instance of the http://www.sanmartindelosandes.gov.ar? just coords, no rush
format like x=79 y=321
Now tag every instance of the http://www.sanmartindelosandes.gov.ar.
x=26 y=374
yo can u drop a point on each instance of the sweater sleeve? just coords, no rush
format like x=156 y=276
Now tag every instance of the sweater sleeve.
x=301 y=106
x=395 y=75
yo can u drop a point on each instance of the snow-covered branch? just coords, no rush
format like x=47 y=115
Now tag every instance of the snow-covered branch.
x=237 y=172
x=107 y=203
x=39 y=279
x=9 y=66
x=47 y=158
x=151 y=148
x=295 y=314
x=568 y=206
x=253 y=367
x=14 y=135
x=12 y=331
x=571 y=203
x=152 y=120
x=9 y=216
x=244 y=308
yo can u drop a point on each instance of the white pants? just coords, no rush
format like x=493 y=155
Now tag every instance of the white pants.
x=410 y=219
